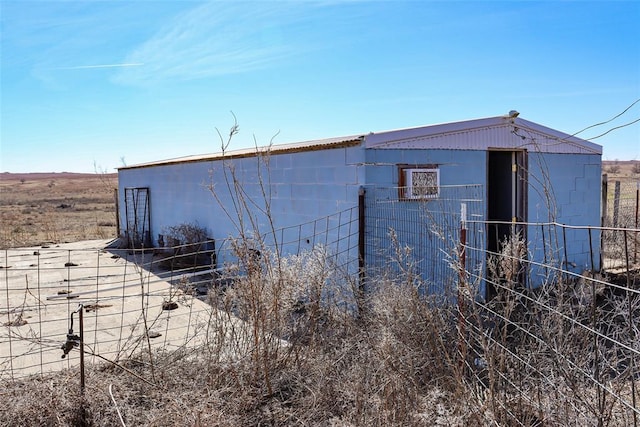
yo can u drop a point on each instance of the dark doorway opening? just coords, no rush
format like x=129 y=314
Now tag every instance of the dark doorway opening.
x=506 y=204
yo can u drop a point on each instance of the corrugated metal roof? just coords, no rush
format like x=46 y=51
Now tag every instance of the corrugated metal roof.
x=319 y=144
x=501 y=132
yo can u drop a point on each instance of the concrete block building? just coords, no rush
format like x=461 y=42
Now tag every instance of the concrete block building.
x=505 y=170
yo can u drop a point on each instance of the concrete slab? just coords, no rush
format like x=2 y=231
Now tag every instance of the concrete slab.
x=40 y=287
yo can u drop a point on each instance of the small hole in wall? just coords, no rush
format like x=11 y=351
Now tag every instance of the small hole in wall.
x=308 y=241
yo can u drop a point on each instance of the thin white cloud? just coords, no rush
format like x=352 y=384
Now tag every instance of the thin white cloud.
x=85 y=67
x=219 y=38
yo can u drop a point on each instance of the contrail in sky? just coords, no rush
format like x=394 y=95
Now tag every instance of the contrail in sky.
x=83 y=67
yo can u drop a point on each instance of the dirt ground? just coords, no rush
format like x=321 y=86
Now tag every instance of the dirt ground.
x=40 y=208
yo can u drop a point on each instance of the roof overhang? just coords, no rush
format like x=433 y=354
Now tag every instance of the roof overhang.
x=502 y=132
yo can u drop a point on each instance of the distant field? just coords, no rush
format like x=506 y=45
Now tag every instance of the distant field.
x=622 y=170
x=41 y=208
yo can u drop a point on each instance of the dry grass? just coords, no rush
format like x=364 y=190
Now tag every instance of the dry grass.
x=392 y=359
x=56 y=208
x=337 y=369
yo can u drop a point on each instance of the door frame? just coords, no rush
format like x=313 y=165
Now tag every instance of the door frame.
x=506 y=173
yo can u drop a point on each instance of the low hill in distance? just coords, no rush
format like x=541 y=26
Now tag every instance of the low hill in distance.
x=51 y=175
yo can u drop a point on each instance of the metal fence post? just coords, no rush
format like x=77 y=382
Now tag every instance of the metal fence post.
x=603 y=217
x=462 y=284
x=616 y=204
x=635 y=248
x=605 y=194
x=81 y=321
x=361 y=242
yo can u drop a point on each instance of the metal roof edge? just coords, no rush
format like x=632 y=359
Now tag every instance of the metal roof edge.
x=295 y=147
x=398 y=136
x=559 y=135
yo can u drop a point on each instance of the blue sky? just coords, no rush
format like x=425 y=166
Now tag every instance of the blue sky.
x=100 y=83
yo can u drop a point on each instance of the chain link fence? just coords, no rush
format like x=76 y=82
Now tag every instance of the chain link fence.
x=620 y=210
